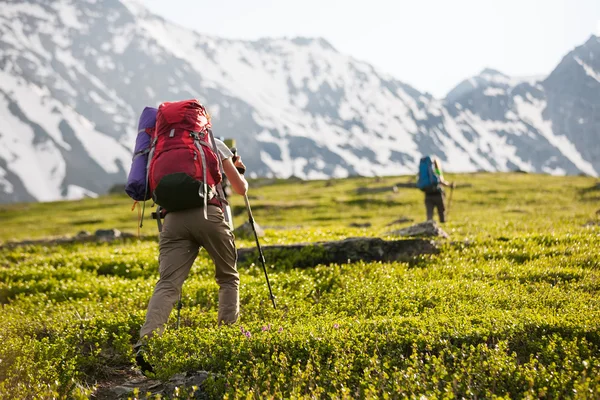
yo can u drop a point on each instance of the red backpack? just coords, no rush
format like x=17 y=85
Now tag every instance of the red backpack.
x=185 y=167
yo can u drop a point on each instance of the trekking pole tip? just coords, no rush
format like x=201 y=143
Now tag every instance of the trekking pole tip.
x=273 y=301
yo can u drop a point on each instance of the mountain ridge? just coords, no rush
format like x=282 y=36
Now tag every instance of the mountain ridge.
x=74 y=77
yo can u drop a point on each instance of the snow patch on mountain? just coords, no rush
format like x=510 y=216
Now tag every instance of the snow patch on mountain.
x=531 y=111
x=589 y=71
x=39 y=165
x=75 y=192
x=5 y=184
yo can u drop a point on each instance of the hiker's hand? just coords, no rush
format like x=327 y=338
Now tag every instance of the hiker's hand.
x=237 y=180
x=239 y=165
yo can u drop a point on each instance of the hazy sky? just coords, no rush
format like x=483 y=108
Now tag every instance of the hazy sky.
x=429 y=44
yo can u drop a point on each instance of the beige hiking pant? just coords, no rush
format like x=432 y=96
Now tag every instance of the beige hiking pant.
x=184 y=232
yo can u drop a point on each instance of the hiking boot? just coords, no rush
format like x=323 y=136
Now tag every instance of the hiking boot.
x=141 y=361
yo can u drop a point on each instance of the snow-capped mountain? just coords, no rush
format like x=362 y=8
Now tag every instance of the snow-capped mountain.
x=75 y=74
x=544 y=125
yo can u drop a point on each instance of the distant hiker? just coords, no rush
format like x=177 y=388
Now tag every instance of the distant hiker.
x=431 y=182
x=184 y=178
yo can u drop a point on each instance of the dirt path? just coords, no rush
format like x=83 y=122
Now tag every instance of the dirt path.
x=123 y=383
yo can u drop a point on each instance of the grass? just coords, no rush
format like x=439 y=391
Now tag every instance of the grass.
x=509 y=308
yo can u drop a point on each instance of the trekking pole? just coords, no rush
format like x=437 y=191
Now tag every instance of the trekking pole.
x=261 y=256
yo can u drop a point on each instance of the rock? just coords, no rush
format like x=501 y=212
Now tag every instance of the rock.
x=374 y=190
x=186 y=381
x=283 y=227
x=428 y=229
x=107 y=234
x=462 y=185
x=409 y=185
x=517 y=211
x=181 y=382
x=400 y=220
x=180 y=377
x=245 y=231
x=101 y=235
x=122 y=390
x=360 y=225
x=339 y=252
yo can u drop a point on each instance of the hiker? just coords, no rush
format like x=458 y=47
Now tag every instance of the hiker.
x=186 y=230
x=431 y=181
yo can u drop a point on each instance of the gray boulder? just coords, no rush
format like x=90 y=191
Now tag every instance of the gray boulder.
x=350 y=250
x=400 y=220
x=245 y=231
x=107 y=234
x=428 y=229
x=360 y=225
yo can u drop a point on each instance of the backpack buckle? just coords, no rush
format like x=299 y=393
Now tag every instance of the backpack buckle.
x=196 y=135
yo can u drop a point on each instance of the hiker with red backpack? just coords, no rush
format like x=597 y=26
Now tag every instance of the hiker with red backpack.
x=431 y=181
x=184 y=178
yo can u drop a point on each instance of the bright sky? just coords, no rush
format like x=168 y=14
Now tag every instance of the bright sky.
x=429 y=44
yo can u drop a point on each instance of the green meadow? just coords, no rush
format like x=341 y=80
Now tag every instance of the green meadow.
x=508 y=308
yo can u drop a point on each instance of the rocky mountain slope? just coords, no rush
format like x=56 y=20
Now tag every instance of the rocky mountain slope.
x=74 y=76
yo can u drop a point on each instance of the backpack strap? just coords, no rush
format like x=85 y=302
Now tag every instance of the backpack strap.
x=203 y=189
x=220 y=192
x=435 y=188
x=140 y=153
x=150 y=155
